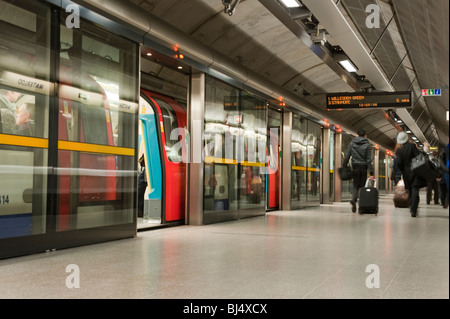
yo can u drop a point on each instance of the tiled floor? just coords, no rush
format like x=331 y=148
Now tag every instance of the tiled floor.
x=318 y=253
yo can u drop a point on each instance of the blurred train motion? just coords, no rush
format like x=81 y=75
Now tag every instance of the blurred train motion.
x=67 y=127
x=85 y=178
x=84 y=116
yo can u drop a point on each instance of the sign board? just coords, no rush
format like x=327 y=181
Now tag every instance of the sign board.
x=26 y=83
x=431 y=92
x=387 y=100
x=230 y=103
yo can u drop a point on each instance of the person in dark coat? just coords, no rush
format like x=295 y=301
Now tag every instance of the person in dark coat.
x=142 y=186
x=396 y=174
x=444 y=159
x=360 y=151
x=7 y=122
x=442 y=187
x=413 y=182
x=433 y=187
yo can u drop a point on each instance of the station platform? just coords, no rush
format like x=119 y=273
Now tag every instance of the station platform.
x=325 y=252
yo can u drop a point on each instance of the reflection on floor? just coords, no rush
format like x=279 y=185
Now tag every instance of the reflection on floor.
x=143 y=223
x=324 y=252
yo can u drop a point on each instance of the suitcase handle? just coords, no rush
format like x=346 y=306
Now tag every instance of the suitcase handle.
x=374 y=185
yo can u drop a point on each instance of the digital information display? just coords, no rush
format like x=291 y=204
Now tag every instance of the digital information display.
x=387 y=100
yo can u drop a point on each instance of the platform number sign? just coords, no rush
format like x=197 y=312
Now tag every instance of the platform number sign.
x=431 y=92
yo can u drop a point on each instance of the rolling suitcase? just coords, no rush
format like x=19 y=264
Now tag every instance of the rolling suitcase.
x=368 y=199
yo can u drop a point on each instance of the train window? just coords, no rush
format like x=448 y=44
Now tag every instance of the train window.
x=299 y=160
x=255 y=128
x=314 y=160
x=222 y=121
x=170 y=123
x=24 y=41
x=98 y=87
x=95 y=128
x=24 y=69
x=236 y=129
x=274 y=124
x=97 y=125
x=18 y=113
x=24 y=107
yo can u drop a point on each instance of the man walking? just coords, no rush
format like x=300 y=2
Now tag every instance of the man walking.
x=360 y=151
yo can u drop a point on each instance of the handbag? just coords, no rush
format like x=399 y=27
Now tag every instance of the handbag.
x=345 y=173
x=401 y=195
x=424 y=167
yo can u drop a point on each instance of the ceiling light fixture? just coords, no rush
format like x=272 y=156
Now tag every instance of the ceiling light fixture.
x=290 y=3
x=344 y=60
x=348 y=65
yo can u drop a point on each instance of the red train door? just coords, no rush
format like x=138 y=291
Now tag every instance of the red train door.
x=172 y=118
x=274 y=169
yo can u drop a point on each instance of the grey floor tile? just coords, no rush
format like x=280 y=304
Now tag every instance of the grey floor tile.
x=315 y=253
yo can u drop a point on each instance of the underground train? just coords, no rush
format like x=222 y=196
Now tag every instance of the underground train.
x=85 y=116
x=163 y=142
x=73 y=166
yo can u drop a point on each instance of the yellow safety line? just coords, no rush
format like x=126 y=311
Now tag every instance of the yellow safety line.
x=24 y=141
x=94 y=148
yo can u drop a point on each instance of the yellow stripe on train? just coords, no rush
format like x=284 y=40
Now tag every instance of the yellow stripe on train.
x=94 y=148
x=23 y=141
x=216 y=160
